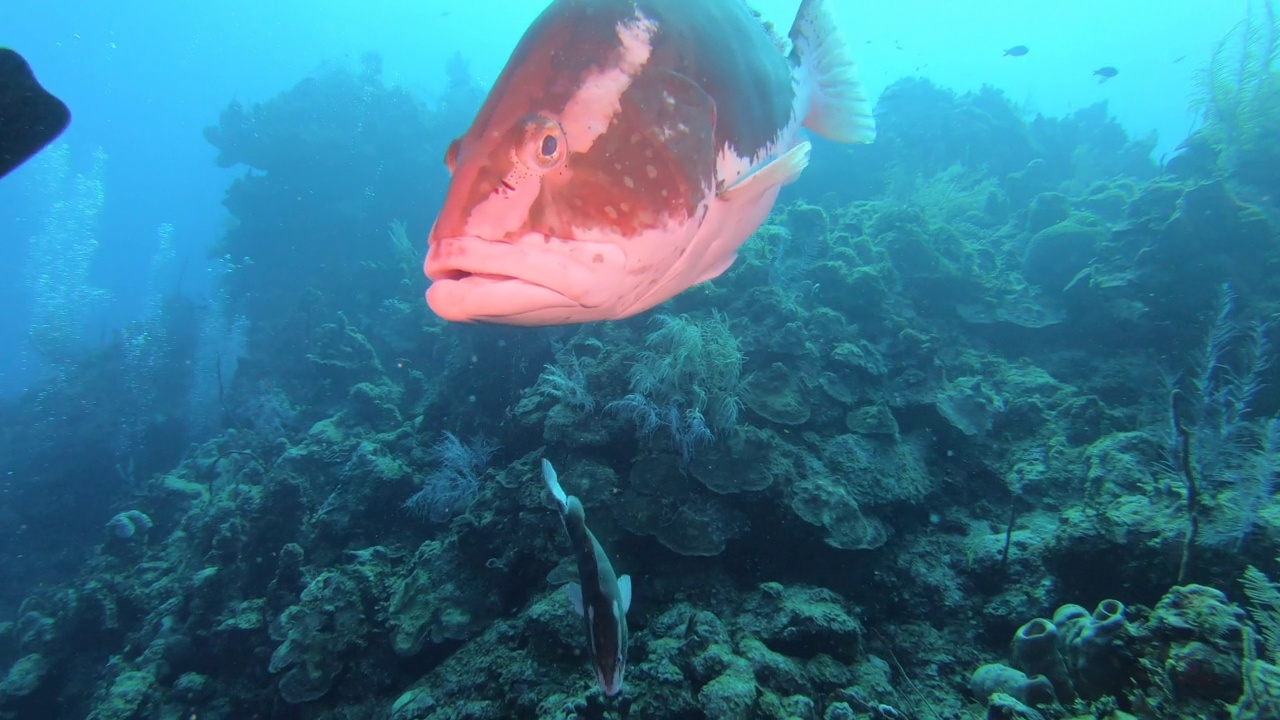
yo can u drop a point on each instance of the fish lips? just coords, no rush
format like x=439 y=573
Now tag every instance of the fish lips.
x=531 y=280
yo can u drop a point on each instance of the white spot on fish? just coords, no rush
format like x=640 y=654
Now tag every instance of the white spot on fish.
x=598 y=99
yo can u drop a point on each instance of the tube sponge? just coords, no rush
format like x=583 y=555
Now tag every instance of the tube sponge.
x=998 y=678
x=1068 y=614
x=1073 y=650
x=129 y=525
x=1108 y=619
x=1085 y=645
x=1035 y=652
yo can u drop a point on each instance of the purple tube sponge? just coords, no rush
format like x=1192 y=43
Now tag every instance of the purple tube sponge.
x=1035 y=652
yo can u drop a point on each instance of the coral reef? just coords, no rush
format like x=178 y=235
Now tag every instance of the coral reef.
x=881 y=468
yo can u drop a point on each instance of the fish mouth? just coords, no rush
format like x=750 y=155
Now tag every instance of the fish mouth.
x=533 y=280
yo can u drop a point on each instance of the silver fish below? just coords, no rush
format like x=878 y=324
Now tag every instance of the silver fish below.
x=600 y=596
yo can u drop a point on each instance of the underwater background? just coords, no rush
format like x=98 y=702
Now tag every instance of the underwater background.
x=984 y=421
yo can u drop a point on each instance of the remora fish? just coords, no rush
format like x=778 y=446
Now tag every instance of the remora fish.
x=627 y=151
x=603 y=598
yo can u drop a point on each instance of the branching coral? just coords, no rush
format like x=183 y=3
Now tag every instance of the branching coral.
x=1234 y=451
x=455 y=481
x=692 y=364
x=688 y=430
x=688 y=381
x=1261 y=675
x=566 y=382
x=1264 y=608
x=946 y=196
x=1239 y=91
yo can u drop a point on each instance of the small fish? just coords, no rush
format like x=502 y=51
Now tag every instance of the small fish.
x=1017 y=51
x=30 y=116
x=602 y=598
x=623 y=157
x=1105 y=73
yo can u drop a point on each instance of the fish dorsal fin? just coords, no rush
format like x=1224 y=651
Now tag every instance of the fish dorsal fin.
x=624 y=593
x=781 y=170
x=573 y=591
x=839 y=108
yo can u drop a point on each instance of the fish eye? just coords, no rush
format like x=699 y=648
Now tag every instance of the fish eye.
x=544 y=144
x=549 y=146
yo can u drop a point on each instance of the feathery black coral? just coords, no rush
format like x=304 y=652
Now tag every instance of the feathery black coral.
x=1239 y=91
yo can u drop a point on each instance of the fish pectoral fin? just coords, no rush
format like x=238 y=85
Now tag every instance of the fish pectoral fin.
x=716 y=269
x=839 y=108
x=574 y=592
x=624 y=593
x=784 y=169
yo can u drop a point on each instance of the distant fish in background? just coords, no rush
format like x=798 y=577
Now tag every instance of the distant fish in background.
x=30 y=116
x=1017 y=51
x=1105 y=73
x=600 y=597
x=623 y=156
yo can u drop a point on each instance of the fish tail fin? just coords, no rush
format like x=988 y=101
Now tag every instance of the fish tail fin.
x=838 y=108
x=553 y=485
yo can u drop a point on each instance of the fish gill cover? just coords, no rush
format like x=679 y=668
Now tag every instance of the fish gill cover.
x=974 y=428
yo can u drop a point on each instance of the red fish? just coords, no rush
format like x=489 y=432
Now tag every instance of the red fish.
x=627 y=151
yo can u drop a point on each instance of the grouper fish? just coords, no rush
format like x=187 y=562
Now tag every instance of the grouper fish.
x=600 y=596
x=625 y=153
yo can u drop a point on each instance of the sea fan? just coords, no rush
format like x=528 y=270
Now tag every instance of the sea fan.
x=640 y=410
x=567 y=383
x=1236 y=91
x=455 y=482
x=692 y=364
x=1264 y=608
